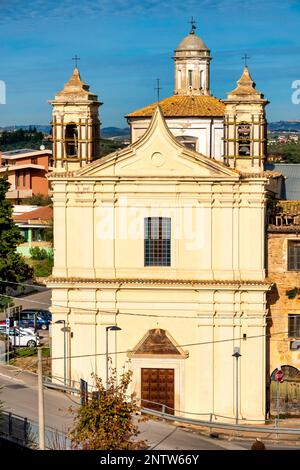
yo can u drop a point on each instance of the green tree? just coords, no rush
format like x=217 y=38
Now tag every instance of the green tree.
x=13 y=267
x=293 y=293
x=105 y=422
x=38 y=200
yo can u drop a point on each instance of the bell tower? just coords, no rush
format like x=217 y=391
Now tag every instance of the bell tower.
x=75 y=125
x=192 y=64
x=245 y=126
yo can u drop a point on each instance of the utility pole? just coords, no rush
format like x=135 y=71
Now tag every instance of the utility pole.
x=109 y=328
x=41 y=401
x=237 y=355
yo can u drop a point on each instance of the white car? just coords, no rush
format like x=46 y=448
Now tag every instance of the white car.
x=28 y=331
x=19 y=337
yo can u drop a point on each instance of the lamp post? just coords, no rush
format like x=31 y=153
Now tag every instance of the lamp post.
x=59 y=322
x=111 y=328
x=237 y=355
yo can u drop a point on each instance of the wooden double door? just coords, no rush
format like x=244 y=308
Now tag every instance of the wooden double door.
x=157 y=385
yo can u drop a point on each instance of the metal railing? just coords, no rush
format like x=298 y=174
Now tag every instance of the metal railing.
x=227 y=426
x=212 y=420
x=25 y=432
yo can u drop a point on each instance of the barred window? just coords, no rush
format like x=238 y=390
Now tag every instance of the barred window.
x=157 y=241
x=294 y=326
x=294 y=255
x=244 y=139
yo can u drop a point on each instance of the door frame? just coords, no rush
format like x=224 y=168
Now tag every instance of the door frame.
x=139 y=363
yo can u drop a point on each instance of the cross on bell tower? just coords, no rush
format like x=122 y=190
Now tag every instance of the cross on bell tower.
x=245 y=58
x=76 y=59
x=193 y=24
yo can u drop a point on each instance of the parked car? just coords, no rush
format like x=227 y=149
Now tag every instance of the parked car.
x=20 y=338
x=29 y=330
x=35 y=318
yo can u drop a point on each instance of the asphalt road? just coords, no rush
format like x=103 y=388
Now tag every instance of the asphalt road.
x=40 y=299
x=19 y=395
x=18 y=392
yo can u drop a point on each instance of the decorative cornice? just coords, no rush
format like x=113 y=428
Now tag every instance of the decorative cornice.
x=176 y=282
x=284 y=229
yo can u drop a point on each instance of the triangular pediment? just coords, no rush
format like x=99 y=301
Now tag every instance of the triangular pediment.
x=158 y=342
x=157 y=153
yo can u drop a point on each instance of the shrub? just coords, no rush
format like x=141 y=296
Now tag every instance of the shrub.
x=40 y=253
x=106 y=421
x=43 y=268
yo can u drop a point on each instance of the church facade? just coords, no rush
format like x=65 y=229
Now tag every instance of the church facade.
x=160 y=247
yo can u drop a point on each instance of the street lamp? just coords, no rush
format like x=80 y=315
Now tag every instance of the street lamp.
x=237 y=355
x=111 y=328
x=59 y=322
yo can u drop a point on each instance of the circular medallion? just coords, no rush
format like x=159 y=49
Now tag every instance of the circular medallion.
x=157 y=159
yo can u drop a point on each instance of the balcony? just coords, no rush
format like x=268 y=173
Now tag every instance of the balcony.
x=19 y=193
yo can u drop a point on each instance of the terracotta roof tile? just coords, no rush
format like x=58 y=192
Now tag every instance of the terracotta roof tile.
x=184 y=106
x=41 y=213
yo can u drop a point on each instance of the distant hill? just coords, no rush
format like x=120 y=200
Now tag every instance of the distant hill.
x=45 y=129
x=106 y=132
x=289 y=126
x=123 y=132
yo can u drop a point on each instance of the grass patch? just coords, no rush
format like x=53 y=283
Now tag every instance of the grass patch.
x=22 y=352
x=46 y=352
x=26 y=352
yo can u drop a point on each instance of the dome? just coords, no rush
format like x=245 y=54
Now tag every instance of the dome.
x=192 y=42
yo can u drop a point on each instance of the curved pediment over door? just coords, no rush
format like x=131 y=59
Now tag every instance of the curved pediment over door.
x=158 y=342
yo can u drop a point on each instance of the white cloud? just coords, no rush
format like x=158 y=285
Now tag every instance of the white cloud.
x=35 y=9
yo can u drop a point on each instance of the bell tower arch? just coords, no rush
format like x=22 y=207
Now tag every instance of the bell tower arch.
x=245 y=126
x=75 y=125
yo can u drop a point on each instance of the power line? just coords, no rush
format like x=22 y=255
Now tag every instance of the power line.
x=179 y=345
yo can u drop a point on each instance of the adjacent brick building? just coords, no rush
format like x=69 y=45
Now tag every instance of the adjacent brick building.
x=283 y=245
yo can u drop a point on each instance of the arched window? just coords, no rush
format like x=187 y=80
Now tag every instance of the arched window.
x=71 y=139
x=289 y=373
x=188 y=141
x=244 y=139
x=201 y=84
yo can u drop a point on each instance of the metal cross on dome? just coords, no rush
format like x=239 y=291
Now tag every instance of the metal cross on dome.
x=193 y=23
x=76 y=58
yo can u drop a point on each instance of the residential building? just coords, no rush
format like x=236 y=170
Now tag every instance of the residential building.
x=283 y=252
x=35 y=225
x=27 y=170
x=290 y=189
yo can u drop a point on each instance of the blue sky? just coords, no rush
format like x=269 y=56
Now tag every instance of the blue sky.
x=124 y=45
